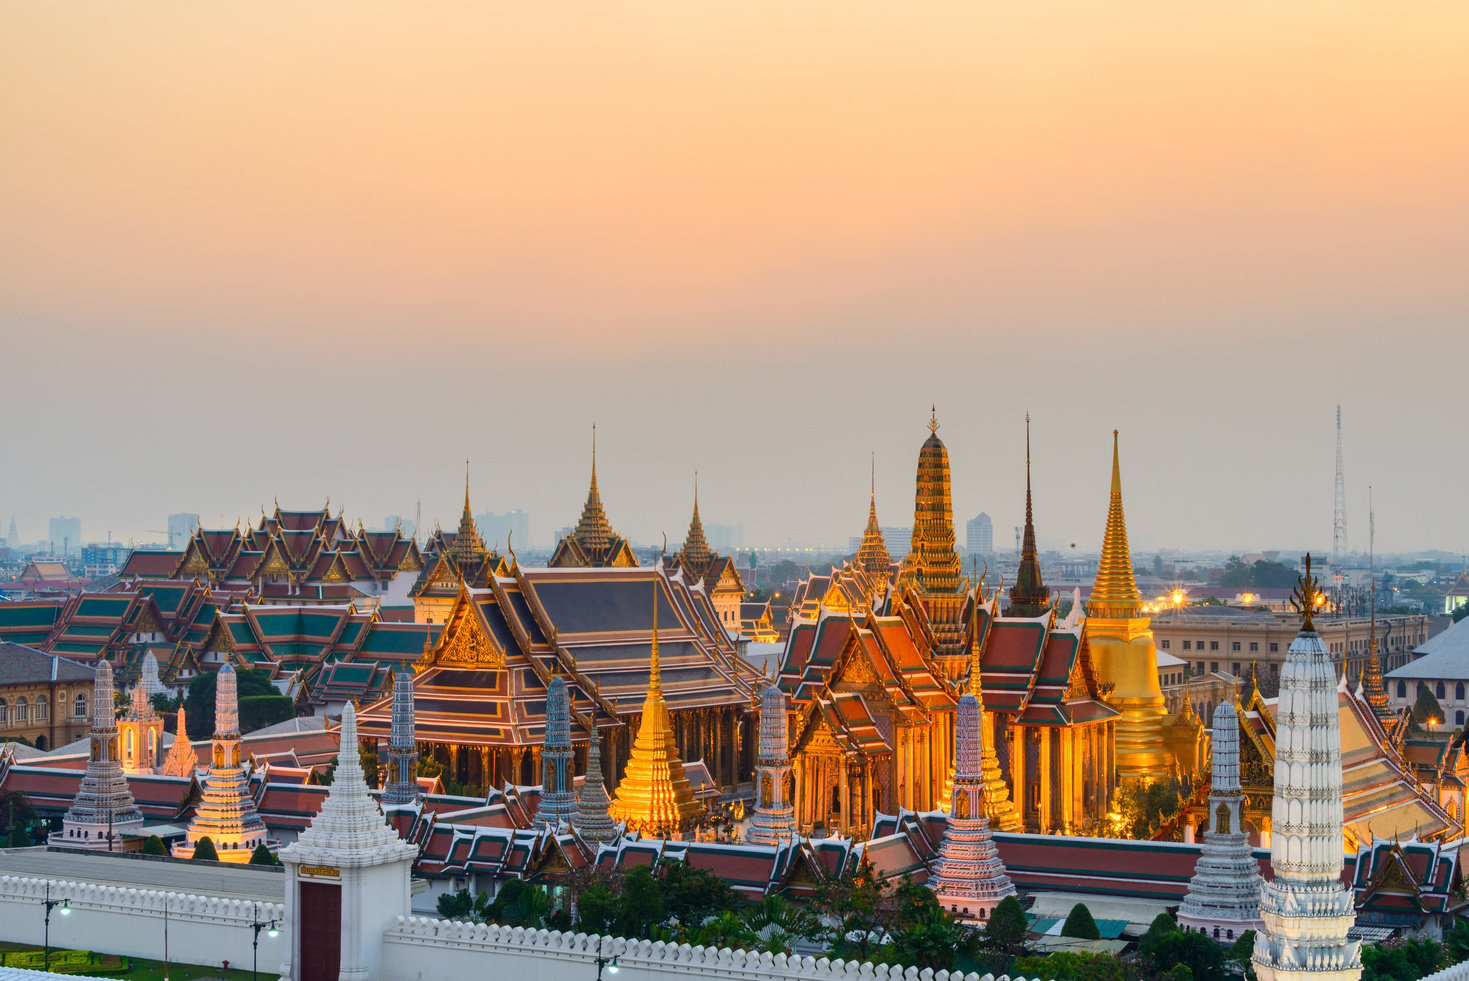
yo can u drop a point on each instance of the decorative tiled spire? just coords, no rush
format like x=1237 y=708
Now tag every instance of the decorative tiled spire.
x=467 y=546
x=654 y=796
x=971 y=880
x=774 y=819
x=936 y=564
x=1306 y=909
x=558 y=796
x=873 y=556
x=148 y=677
x=593 y=531
x=1115 y=594
x=181 y=761
x=103 y=809
x=593 y=820
x=1224 y=893
x=402 y=784
x=226 y=815
x=349 y=830
x=695 y=556
x=1029 y=597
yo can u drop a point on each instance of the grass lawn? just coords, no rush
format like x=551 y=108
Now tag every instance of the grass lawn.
x=142 y=969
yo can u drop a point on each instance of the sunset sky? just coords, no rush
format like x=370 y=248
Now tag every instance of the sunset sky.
x=260 y=251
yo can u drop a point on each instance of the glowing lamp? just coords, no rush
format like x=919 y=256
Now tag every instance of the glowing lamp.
x=613 y=968
x=66 y=907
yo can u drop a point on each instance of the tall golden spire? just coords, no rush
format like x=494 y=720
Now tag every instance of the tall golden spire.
x=1115 y=593
x=654 y=796
x=1372 y=686
x=1029 y=597
x=937 y=564
x=467 y=546
x=593 y=531
x=695 y=555
x=872 y=555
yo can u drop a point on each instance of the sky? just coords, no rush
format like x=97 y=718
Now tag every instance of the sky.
x=258 y=252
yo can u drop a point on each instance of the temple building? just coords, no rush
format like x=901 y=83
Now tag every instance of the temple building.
x=1224 y=894
x=1029 y=597
x=1306 y=909
x=711 y=572
x=103 y=810
x=774 y=820
x=1122 y=647
x=480 y=686
x=558 y=795
x=593 y=542
x=450 y=561
x=226 y=815
x=932 y=568
x=140 y=733
x=970 y=879
x=654 y=797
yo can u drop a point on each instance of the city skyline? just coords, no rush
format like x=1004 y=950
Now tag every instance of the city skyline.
x=261 y=255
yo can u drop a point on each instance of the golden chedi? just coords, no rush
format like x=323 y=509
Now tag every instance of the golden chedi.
x=654 y=797
x=1120 y=637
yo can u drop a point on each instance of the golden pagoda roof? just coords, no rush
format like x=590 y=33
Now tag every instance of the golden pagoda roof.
x=873 y=556
x=1115 y=593
x=654 y=796
x=593 y=530
x=935 y=563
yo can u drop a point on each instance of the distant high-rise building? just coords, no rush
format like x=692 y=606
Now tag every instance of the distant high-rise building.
x=12 y=538
x=899 y=542
x=979 y=534
x=406 y=526
x=725 y=539
x=180 y=528
x=64 y=533
x=512 y=527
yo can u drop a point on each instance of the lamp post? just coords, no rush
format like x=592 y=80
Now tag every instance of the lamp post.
x=609 y=963
x=51 y=904
x=270 y=931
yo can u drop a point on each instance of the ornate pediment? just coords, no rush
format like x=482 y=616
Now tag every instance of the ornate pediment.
x=466 y=642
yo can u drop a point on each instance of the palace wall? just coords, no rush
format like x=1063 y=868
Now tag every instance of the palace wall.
x=445 y=950
x=203 y=930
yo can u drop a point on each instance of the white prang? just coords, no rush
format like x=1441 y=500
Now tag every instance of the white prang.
x=1306 y=910
x=1223 y=899
x=971 y=880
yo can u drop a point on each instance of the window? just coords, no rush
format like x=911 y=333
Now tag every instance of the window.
x=1213 y=665
x=1459 y=717
x=79 y=707
x=22 y=711
x=1274 y=669
x=1235 y=667
x=1165 y=643
x=4 y=712
x=1213 y=645
x=1274 y=647
x=1459 y=691
x=43 y=710
x=1438 y=690
x=1402 y=689
x=1201 y=667
x=1234 y=645
x=1254 y=647
x=1188 y=645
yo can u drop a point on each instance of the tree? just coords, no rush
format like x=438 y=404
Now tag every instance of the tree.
x=596 y=908
x=852 y=902
x=262 y=856
x=1071 y=965
x=1079 y=924
x=199 y=702
x=1407 y=960
x=204 y=851
x=1460 y=612
x=18 y=837
x=1426 y=709
x=1007 y=927
x=641 y=907
x=15 y=812
x=727 y=930
x=1243 y=948
x=154 y=845
x=1456 y=942
x=1165 y=946
x=791 y=920
x=692 y=895
x=464 y=905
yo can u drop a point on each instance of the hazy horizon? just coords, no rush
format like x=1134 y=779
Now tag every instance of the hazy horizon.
x=265 y=253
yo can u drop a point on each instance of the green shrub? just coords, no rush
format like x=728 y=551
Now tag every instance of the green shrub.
x=204 y=851
x=154 y=846
x=1079 y=924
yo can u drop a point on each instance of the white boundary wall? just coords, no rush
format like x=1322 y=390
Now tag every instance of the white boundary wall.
x=203 y=930
x=418 y=949
x=1454 y=972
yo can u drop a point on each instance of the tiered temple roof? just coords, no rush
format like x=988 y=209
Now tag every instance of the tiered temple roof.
x=593 y=542
x=1029 y=597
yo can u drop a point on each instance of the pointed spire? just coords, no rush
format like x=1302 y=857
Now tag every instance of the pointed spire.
x=593 y=531
x=558 y=797
x=402 y=769
x=695 y=556
x=872 y=555
x=1376 y=693
x=103 y=809
x=181 y=760
x=1029 y=597
x=592 y=821
x=933 y=419
x=655 y=671
x=1115 y=594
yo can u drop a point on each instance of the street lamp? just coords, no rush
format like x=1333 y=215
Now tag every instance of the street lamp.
x=270 y=931
x=609 y=964
x=51 y=904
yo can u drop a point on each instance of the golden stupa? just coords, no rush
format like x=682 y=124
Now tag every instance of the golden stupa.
x=654 y=797
x=1120 y=637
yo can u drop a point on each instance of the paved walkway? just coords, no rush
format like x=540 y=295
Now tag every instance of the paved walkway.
x=232 y=882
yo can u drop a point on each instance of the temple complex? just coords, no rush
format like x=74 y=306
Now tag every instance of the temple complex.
x=1224 y=894
x=226 y=815
x=451 y=561
x=1122 y=647
x=103 y=809
x=400 y=785
x=1305 y=908
x=970 y=879
x=593 y=542
x=558 y=794
x=654 y=796
x=932 y=568
x=774 y=820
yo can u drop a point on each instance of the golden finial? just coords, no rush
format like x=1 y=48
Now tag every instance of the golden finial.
x=466 y=485
x=933 y=419
x=1306 y=597
x=655 y=676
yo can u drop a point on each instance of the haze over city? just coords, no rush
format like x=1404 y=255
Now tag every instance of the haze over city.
x=255 y=254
